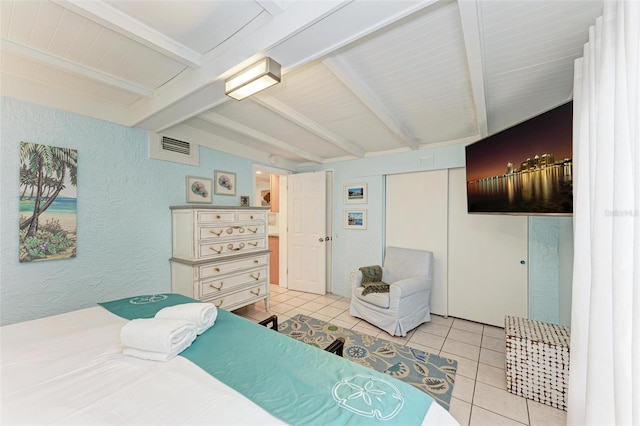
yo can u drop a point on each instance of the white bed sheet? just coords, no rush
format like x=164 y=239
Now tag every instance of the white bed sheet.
x=69 y=369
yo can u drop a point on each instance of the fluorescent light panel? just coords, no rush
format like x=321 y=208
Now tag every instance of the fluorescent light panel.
x=257 y=77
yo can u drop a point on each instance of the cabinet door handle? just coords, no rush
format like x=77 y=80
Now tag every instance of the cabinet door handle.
x=254 y=230
x=254 y=244
x=217 y=251
x=240 y=247
x=254 y=277
x=256 y=292
x=217 y=288
x=217 y=234
x=219 y=304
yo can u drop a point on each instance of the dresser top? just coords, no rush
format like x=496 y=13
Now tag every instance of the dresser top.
x=208 y=207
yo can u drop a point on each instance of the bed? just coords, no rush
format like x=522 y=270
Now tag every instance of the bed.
x=69 y=369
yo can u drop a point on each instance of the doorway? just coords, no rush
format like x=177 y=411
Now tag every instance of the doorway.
x=270 y=190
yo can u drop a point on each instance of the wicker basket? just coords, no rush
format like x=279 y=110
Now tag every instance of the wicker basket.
x=537 y=358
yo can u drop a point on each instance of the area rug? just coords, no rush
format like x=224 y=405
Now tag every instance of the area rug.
x=430 y=373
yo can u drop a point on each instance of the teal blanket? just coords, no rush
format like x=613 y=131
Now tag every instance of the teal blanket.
x=293 y=381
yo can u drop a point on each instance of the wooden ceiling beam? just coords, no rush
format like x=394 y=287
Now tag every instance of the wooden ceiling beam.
x=234 y=126
x=101 y=12
x=473 y=43
x=75 y=68
x=364 y=93
x=306 y=123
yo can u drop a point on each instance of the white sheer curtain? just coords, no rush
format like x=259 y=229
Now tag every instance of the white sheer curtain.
x=604 y=380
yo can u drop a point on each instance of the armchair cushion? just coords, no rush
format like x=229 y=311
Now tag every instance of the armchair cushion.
x=381 y=300
x=371 y=274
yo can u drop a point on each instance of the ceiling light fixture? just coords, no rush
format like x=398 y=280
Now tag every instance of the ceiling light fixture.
x=264 y=73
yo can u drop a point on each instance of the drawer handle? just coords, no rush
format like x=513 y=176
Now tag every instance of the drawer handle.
x=256 y=292
x=231 y=228
x=219 y=304
x=251 y=216
x=216 y=269
x=254 y=230
x=217 y=251
x=216 y=233
x=256 y=261
x=255 y=278
x=240 y=247
x=217 y=216
x=217 y=288
x=255 y=244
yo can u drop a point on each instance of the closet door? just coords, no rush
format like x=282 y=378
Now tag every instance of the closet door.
x=416 y=218
x=487 y=260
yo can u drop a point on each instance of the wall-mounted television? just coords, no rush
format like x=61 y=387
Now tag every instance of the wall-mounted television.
x=525 y=169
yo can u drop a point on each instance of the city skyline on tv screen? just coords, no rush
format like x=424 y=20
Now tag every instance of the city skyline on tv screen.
x=525 y=169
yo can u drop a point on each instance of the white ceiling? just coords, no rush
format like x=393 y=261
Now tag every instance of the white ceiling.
x=360 y=78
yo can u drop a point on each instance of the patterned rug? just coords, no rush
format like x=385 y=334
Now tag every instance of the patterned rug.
x=429 y=373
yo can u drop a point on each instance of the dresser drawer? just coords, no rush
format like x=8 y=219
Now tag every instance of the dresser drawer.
x=228 y=283
x=220 y=249
x=231 y=231
x=240 y=298
x=216 y=216
x=223 y=268
x=252 y=216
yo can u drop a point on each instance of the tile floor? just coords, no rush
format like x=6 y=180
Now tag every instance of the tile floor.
x=479 y=395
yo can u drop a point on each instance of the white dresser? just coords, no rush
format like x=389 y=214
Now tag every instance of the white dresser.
x=220 y=254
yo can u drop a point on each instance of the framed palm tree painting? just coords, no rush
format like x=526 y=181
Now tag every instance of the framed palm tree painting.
x=48 y=195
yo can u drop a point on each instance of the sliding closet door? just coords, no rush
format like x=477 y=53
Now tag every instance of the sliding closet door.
x=487 y=260
x=416 y=218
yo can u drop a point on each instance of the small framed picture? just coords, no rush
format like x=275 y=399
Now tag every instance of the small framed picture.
x=198 y=189
x=224 y=183
x=355 y=219
x=355 y=193
x=244 y=201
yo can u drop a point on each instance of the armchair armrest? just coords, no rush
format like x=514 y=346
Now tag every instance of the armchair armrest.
x=409 y=286
x=356 y=279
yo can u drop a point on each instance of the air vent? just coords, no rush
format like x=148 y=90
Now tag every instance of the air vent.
x=174 y=145
x=175 y=150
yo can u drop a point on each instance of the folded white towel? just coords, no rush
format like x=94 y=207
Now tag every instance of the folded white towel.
x=202 y=314
x=150 y=355
x=165 y=336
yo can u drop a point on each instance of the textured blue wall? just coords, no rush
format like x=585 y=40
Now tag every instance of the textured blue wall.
x=123 y=223
x=124 y=227
x=550 y=260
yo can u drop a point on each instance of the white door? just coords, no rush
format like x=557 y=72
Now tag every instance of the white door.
x=306 y=223
x=416 y=210
x=487 y=260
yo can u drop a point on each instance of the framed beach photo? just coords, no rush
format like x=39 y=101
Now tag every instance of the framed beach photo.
x=355 y=219
x=198 y=190
x=355 y=193
x=224 y=183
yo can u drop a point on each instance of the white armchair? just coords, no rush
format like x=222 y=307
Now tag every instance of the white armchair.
x=409 y=274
